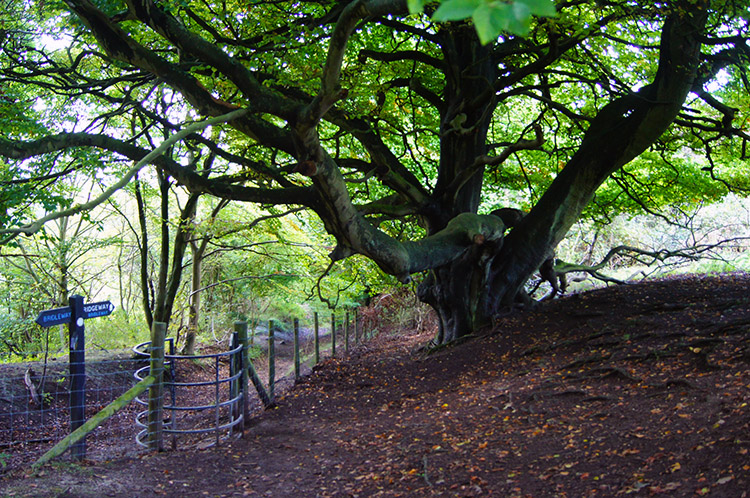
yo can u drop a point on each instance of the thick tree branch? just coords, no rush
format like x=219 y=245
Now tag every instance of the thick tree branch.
x=259 y=98
x=122 y=47
x=330 y=88
x=480 y=162
x=620 y=132
x=418 y=87
x=408 y=55
x=354 y=234
x=388 y=169
x=224 y=187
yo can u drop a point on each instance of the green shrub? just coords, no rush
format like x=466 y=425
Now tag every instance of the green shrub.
x=24 y=339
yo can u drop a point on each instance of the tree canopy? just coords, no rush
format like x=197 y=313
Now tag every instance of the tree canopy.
x=401 y=130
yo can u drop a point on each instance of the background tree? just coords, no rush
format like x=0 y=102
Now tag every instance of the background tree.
x=65 y=258
x=370 y=116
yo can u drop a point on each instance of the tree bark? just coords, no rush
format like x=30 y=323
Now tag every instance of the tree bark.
x=29 y=380
x=198 y=250
x=143 y=252
x=159 y=308
x=195 y=299
x=456 y=289
x=468 y=291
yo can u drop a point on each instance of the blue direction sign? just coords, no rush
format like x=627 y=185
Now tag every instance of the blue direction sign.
x=92 y=310
x=58 y=316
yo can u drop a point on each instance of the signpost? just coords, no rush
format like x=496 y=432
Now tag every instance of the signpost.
x=74 y=315
x=58 y=316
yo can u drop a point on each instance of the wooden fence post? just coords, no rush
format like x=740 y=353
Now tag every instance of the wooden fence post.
x=333 y=334
x=356 y=325
x=249 y=371
x=317 y=339
x=296 y=349
x=77 y=365
x=156 y=391
x=346 y=331
x=271 y=361
x=241 y=329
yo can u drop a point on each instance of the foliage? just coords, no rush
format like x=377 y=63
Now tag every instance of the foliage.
x=712 y=238
x=397 y=311
x=396 y=128
x=70 y=256
x=116 y=332
x=19 y=336
x=491 y=17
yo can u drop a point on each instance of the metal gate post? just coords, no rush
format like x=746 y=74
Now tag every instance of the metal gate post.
x=235 y=367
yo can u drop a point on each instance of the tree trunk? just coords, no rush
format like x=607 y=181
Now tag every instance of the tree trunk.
x=469 y=291
x=143 y=254
x=160 y=304
x=198 y=250
x=159 y=309
x=63 y=246
x=195 y=299
x=621 y=131
x=456 y=291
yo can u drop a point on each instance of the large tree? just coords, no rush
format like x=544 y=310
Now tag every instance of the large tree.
x=368 y=115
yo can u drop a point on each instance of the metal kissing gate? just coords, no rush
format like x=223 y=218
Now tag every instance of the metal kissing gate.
x=228 y=393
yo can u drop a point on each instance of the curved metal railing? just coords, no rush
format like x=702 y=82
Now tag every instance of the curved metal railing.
x=233 y=400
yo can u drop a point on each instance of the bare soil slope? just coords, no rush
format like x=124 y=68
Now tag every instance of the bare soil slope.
x=641 y=390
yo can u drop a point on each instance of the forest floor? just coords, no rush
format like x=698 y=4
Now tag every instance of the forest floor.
x=640 y=390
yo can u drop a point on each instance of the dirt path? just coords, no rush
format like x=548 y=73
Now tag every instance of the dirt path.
x=641 y=391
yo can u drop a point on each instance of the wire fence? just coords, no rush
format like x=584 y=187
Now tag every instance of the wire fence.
x=201 y=398
x=32 y=419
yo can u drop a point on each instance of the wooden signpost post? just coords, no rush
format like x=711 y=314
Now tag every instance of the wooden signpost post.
x=74 y=315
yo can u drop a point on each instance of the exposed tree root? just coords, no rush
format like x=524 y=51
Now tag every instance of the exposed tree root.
x=603 y=373
x=579 y=362
x=561 y=344
x=431 y=348
x=669 y=383
x=741 y=326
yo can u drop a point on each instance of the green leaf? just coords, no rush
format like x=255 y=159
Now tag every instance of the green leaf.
x=491 y=19
x=544 y=8
x=415 y=6
x=456 y=10
x=520 y=22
